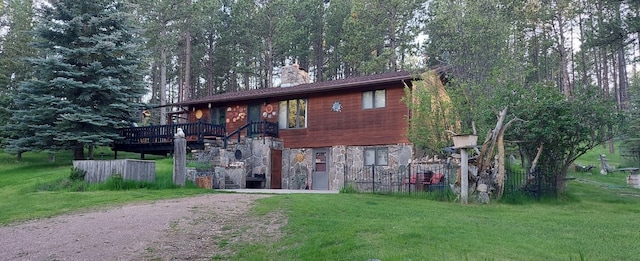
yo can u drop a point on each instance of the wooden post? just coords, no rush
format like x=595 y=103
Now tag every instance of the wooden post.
x=179 y=160
x=464 y=182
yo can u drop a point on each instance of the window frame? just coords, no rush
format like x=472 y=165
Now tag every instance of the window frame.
x=284 y=114
x=377 y=152
x=219 y=114
x=366 y=95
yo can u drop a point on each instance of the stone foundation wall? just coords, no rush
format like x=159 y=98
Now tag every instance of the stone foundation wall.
x=296 y=168
x=251 y=157
x=298 y=164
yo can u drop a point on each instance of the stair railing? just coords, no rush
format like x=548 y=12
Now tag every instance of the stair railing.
x=265 y=128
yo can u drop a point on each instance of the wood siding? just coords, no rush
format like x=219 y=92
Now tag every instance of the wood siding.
x=352 y=125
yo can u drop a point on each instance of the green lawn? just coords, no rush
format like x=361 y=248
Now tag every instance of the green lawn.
x=596 y=220
x=362 y=227
x=23 y=198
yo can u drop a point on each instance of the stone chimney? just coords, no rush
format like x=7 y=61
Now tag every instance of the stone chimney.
x=293 y=75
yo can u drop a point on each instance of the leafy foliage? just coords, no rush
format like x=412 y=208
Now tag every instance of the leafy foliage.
x=77 y=174
x=566 y=128
x=631 y=143
x=432 y=114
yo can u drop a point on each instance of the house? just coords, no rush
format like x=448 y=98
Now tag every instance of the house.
x=304 y=136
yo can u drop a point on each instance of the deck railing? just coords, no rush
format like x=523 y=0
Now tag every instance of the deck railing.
x=164 y=133
x=195 y=131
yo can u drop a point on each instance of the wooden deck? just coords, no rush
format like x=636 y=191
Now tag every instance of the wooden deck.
x=158 y=139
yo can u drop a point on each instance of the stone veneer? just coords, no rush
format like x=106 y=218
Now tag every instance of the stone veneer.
x=298 y=164
x=255 y=159
x=296 y=168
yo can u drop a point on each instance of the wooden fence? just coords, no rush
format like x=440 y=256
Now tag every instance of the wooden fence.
x=101 y=170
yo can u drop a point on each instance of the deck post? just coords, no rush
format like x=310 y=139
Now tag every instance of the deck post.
x=179 y=160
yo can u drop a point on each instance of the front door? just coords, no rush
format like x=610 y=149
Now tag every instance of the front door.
x=253 y=115
x=276 y=169
x=320 y=178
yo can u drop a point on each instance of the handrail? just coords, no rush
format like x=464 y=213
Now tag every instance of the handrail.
x=254 y=127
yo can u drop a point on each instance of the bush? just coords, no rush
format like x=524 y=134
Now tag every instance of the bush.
x=77 y=174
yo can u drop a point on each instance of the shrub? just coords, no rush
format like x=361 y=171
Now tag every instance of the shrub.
x=77 y=174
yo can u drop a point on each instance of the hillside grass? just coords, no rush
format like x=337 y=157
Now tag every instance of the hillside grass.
x=597 y=219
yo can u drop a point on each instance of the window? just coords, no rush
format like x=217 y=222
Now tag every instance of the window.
x=376 y=156
x=292 y=114
x=374 y=99
x=217 y=116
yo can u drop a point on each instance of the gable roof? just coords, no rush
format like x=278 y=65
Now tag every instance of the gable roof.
x=318 y=87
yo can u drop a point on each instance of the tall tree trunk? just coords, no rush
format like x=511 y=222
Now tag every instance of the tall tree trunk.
x=269 y=63
x=583 y=58
x=605 y=73
x=622 y=79
x=597 y=61
x=90 y=152
x=163 y=79
x=210 y=65
x=187 y=68
x=393 y=41
x=564 y=61
x=78 y=152
x=319 y=54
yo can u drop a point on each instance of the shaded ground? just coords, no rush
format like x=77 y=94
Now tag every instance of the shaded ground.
x=196 y=228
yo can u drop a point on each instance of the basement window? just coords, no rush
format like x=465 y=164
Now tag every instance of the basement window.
x=377 y=156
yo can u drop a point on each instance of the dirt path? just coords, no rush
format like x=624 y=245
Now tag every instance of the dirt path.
x=196 y=228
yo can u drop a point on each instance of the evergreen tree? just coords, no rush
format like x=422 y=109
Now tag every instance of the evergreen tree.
x=87 y=82
x=15 y=46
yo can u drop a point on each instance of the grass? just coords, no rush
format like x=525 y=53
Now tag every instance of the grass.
x=595 y=220
x=363 y=227
x=36 y=188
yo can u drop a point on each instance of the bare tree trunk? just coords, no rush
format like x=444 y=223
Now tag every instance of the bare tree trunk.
x=393 y=41
x=163 y=79
x=583 y=59
x=622 y=78
x=534 y=162
x=90 y=152
x=319 y=54
x=564 y=63
x=78 y=152
x=605 y=73
x=187 y=68
x=269 y=63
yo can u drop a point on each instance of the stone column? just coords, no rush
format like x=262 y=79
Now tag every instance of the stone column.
x=179 y=160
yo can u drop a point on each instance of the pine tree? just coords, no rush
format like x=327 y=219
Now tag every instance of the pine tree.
x=15 y=46
x=88 y=80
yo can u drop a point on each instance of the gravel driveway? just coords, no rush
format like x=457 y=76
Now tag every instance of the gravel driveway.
x=196 y=228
